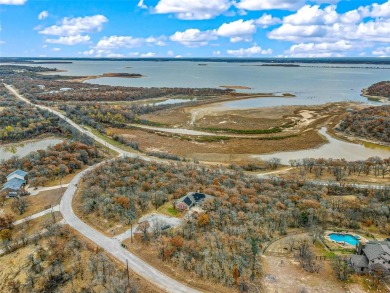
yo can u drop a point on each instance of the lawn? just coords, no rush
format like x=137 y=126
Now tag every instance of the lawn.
x=168 y=210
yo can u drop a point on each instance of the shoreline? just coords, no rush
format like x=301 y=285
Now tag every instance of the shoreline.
x=30 y=140
x=117 y=75
x=380 y=99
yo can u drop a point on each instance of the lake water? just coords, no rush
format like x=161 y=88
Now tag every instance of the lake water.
x=23 y=149
x=174 y=101
x=312 y=85
x=335 y=149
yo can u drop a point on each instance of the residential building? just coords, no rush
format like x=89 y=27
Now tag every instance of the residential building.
x=374 y=255
x=16 y=182
x=192 y=199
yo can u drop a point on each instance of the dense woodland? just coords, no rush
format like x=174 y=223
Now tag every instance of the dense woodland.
x=98 y=115
x=380 y=89
x=223 y=243
x=55 y=162
x=370 y=123
x=19 y=121
x=60 y=262
x=53 y=88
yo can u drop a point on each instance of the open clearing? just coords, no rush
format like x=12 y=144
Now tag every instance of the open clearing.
x=36 y=203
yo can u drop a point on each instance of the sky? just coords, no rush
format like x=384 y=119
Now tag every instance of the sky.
x=194 y=28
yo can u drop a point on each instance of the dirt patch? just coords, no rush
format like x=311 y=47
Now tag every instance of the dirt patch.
x=36 y=203
x=285 y=275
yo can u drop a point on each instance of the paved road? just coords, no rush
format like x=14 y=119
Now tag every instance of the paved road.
x=110 y=245
x=113 y=246
x=37 y=215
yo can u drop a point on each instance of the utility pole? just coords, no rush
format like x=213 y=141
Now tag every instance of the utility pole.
x=128 y=276
x=131 y=232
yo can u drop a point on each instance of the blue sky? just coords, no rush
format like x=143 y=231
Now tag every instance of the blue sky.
x=194 y=28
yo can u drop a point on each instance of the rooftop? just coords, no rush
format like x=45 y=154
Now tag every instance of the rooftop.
x=193 y=198
x=14 y=183
x=18 y=172
x=375 y=250
x=359 y=261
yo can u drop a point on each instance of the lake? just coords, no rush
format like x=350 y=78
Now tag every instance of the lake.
x=335 y=149
x=23 y=149
x=312 y=84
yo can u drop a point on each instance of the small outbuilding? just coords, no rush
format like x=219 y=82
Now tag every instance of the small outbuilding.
x=16 y=183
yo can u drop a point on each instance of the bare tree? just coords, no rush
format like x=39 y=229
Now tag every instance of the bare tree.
x=19 y=205
x=291 y=242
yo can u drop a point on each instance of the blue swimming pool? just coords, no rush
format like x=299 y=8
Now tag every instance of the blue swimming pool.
x=351 y=240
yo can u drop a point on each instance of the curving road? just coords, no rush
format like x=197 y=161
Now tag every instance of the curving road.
x=110 y=245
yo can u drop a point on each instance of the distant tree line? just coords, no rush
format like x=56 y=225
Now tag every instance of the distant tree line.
x=53 y=88
x=341 y=169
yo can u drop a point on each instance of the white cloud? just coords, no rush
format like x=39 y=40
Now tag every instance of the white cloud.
x=255 y=50
x=268 y=4
x=216 y=53
x=382 y=52
x=88 y=52
x=12 y=2
x=321 y=49
x=75 y=26
x=56 y=49
x=193 y=37
x=70 y=40
x=381 y=10
x=114 y=42
x=190 y=9
x=44 y=14
x=289 y=32
x=148 y=55
x=308 y=15
x=313 y=24
x=170 y=53
x=114 y=55
x=267 y=20
x=142 y=5
x=237 y=31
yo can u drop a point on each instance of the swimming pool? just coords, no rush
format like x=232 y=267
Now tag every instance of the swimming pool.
x=344 y=238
